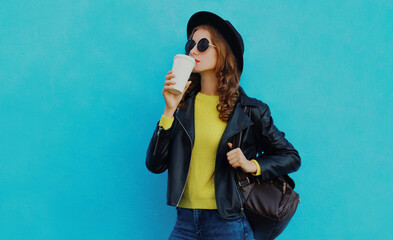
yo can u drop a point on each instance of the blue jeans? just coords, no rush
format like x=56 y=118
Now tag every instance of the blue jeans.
x=208 y=224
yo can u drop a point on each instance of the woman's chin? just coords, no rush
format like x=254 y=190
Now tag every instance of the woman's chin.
x=197 y=70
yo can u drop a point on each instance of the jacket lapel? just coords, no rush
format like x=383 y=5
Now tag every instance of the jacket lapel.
x=186 y=115
x=237 y=123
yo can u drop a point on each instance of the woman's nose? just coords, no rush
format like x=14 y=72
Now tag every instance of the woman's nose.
x=194 y=50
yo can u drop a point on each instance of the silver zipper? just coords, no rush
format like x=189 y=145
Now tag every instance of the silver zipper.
x=237 y=188
x=177 y=204
x=240 y=199
x=158 y=137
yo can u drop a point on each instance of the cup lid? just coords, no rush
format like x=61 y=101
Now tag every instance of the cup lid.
x=185 y=57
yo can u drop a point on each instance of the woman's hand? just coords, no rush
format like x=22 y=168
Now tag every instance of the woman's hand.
x=171 y=99
x=236 y=159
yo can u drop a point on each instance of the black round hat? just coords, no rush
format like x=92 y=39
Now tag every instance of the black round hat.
x=226 y=29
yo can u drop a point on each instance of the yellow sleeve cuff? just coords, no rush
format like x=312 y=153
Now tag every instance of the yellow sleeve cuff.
x=258 y=168
x=166 y=122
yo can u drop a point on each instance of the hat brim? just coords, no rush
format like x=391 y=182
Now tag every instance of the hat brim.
x=226 y=29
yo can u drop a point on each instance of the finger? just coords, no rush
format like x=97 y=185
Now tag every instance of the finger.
x=169 y=76
x=235 y=165
x=232 y=161
x=233 y=157
x=185 y=89
x=234 y=152
x=168 y=87
x=229 y=153
x=169 y=82
x=230 y=145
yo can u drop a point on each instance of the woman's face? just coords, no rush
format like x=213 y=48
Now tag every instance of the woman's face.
x=207 y=60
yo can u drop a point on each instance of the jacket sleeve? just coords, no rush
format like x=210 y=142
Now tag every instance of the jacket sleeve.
x=279 y=156
x=158 y=150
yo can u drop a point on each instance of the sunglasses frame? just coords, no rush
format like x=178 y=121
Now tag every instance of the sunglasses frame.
x=199 y=45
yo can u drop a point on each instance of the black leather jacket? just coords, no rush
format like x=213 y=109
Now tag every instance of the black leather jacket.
x=171 y=149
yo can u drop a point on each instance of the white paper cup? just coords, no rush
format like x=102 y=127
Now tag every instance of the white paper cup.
x=182 y=68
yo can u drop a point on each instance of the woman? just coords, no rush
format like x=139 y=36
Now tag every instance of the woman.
x=193 y=137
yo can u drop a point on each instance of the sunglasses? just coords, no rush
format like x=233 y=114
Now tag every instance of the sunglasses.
x=203 y=44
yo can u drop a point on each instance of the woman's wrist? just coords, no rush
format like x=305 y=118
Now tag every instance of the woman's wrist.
x=168 y=112
x=253 y=167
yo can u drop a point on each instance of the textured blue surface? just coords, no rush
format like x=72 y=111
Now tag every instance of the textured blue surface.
x=81 y=91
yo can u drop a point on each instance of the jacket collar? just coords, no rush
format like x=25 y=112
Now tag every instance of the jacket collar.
x=238 y=122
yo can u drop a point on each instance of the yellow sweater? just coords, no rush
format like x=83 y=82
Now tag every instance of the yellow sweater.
x=199 y=191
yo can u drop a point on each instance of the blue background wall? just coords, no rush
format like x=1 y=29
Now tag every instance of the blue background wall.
x=81 y=91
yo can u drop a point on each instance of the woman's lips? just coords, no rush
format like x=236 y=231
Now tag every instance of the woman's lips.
x=197 y=61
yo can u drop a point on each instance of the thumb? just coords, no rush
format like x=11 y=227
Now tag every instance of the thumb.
x=186 y=87
x=188 y=84
x=230 y=145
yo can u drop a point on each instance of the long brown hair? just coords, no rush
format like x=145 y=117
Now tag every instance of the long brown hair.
x=226 y=71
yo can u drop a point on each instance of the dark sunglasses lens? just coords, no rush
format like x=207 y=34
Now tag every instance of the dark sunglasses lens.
x=203 y=44
x=189 y=45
